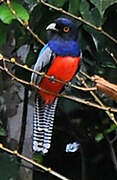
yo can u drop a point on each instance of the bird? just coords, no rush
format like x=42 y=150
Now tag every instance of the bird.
x=59 y=59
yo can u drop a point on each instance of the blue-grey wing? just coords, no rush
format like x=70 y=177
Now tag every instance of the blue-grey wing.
x=45 y=57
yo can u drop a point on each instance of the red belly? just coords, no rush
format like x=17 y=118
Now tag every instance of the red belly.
x=62 y=68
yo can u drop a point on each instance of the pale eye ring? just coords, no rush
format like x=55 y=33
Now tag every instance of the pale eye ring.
x=66 y=29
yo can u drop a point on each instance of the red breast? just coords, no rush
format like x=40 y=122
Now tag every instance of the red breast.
x=62 y=68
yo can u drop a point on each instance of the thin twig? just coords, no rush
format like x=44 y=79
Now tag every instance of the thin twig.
x=99 y=29
x=112 y=151
x=112 y=55
x=24 y=24
x=114 y=139
x=49 y=170
x=73 y=98
x=45 y=75
x=110 y=114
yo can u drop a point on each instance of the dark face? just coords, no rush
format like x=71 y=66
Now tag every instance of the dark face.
x=63 y=29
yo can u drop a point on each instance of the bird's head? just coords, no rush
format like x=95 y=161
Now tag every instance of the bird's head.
x=62 y=28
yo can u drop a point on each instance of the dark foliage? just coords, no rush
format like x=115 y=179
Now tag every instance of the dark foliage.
x=74 y=122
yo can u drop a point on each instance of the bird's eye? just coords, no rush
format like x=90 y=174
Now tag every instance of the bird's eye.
x=66 y=29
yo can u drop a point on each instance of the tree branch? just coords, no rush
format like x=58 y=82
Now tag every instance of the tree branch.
x=112 y=151
x=99 y=29
x=73 y=98
x=23 y=23
x=106 y=87
x=49 y=170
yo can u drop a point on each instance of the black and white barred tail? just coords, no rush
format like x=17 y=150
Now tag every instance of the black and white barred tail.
x=43 y=125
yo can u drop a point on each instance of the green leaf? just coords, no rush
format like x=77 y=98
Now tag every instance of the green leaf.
x=58 y=3
x=2 y=132
x=102 y=5
x=6 y=16
x=99 y=137
x=92 y=16
x=38 y=158
x=20 y=11
x=113 y=127
x=74 y=6
x=113 y=66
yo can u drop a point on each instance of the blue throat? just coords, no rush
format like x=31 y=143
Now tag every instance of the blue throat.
x=65 y=48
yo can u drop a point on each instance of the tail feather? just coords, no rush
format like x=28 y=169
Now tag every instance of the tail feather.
x=43 y=125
